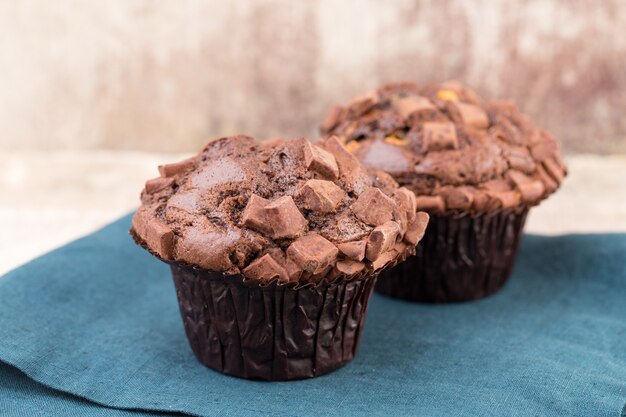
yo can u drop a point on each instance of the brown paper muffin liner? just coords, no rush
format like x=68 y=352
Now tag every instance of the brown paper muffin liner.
x=270 y=332
x=461 y=257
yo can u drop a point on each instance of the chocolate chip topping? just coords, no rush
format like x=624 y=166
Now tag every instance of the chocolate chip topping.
x=321 y=196
x=279 y=211
x=278 y=219
x=446 y=144
x=373 y=207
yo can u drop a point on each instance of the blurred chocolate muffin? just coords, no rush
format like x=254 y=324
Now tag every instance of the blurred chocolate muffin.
x=476 y=166
x=274 y=248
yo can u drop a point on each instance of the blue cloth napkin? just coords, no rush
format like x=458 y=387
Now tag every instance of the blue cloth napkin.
x=20 y=396
x=98 y=319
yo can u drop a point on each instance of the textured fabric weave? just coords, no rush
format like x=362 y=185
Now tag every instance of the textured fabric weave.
x=98 y=319
x=20 y=396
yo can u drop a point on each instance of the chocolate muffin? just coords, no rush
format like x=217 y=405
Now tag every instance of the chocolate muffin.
x=275 y=248
x=476 y=166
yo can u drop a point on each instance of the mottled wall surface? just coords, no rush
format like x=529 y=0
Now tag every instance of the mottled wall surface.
x=168 y=75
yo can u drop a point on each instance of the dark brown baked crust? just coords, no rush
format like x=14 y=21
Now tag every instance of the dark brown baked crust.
x=454 y=150
x=278 y=210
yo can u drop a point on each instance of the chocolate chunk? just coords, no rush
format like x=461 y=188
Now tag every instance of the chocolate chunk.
x=177 y=168
x=399 y=216
x=407 y=200
x=481 y=201
x=438 y=136
x=293 y=270
x=384 y=259
x=434 y=203
x=331 y=120
x=362 y=104
x=505 y=199
x=504 y=134
x=496 y=186
x=510 y=131
x=320 y=161
x=500 y=194
x=285 y=219
x=459 y=198
x=544 y=148
x=266 y=269
x=157 y=184
x=408 y=106
x=161 y=239
x=345 y=160
x=253 y=215
x=321 y=196
x=353 y=250
x=554 y=169
x=327 y=274
x=381 y=240
x=519 y=158
x=469 y=114
x=157 y=236
x=383 y=180
x=530 y=189
x=277 y=219
x=373 y=207
x=312 y=253
x=416 y=228
x=349 y=267
x=350 y=169
x=549 y=182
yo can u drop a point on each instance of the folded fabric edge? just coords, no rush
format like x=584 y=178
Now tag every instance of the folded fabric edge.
x=76 y=400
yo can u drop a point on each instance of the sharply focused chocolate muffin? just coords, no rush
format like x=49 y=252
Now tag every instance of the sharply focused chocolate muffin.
x=476 y=166
x=275 y=247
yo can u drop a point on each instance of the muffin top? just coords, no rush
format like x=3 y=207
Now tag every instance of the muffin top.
x=282 y=210
x=454 y=150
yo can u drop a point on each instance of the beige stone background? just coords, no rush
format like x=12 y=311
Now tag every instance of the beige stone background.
x=167 y=75
x=93 y=94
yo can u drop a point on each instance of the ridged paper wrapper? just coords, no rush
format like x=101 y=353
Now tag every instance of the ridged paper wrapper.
x=271 y=332
x=461 y=257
